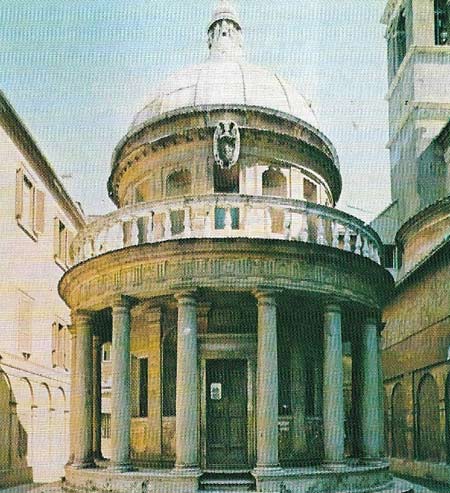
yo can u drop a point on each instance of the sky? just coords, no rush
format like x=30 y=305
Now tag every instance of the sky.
x=77 y=71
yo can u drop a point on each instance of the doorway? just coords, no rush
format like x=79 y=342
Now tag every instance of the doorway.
x=226 y=414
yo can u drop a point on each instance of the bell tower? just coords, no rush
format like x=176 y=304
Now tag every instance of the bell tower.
x=418 y=45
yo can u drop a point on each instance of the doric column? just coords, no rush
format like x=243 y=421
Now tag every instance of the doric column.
x=267 y=382
x=97 y=397
x=298 y=382
x=73 y=393
x=120 y=390
x=187 y=383
x=382 y=431
x=82 y=420
x=370 y=391
x=333 y=392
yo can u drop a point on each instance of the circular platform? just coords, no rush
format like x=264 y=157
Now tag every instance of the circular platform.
x=320 y=479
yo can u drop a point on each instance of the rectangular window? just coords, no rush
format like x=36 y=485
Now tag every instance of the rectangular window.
x=143 y=387
x=62 y=240
x=30 y=205
x=60 y=345
x=24 y=324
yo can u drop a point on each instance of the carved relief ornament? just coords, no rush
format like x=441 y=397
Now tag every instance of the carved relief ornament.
x=227 y=144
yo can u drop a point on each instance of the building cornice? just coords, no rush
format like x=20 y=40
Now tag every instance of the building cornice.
x=22 y=138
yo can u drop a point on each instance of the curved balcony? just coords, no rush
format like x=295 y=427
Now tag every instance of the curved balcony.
x=226 y=216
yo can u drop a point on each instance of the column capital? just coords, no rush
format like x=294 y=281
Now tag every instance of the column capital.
x=332 y=307
x=120 y=302
x=266 y=296
x=81 y=317
x=186 y=296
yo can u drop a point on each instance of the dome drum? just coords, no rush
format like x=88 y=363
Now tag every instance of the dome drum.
x=186 y=140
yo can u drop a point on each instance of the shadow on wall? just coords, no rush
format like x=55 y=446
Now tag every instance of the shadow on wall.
x=431 y=175
x=33 y=431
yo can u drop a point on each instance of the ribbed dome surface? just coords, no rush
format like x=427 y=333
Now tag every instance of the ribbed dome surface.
x=225 y=82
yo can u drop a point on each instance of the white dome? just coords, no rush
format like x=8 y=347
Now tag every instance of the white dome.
x=225 y=82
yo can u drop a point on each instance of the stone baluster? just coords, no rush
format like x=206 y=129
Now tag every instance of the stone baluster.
x=134 y=240
x=187 y=413
x=187 y=222
x=120 y=389
x=287 y=224
x=267 y=222
x=267 y=382
x=167 y=225
x=150 y=227
x=304 y=233
x=347 y=244
x=321 y=240
x=335 y=234
x=365 y=250
x=358 y=244
x=228 y=219
x=83 y=399
x=209 y=221
x=333 y=387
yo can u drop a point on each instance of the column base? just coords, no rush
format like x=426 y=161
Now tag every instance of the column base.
x=374 y=461
x=334 y=465
x=82 y=465
x=265 y=471
x=121 y=467
x=186 y=471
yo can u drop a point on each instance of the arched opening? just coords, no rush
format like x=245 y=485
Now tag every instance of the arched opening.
x=428 y=429
x=274 y=183
x=400 y=35
x=441 y=22
x=5 y=422
x=179 y=183
x=399 y=429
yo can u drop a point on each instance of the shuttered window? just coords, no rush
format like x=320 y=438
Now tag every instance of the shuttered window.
x=62 y=240
x=24 y=324
x=30 y=205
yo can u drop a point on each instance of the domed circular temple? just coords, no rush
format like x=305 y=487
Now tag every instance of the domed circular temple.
x=242 y=307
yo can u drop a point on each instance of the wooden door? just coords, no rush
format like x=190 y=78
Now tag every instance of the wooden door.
x=226 y=414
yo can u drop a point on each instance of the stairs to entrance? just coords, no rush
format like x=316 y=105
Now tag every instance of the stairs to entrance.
x=227 y=481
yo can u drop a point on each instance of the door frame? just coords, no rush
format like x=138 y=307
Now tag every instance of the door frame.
x=229 y=347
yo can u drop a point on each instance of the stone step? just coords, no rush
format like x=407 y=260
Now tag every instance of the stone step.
x=228 y=483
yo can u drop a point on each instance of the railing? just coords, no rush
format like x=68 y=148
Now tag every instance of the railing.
x=225 y=216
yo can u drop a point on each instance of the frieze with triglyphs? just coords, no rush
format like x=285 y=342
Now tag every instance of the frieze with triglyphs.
x=161 y=277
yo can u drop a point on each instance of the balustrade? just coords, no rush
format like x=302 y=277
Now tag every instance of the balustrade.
x=226 y=216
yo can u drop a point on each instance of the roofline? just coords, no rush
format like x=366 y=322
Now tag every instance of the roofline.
x=421 y=217
x=21 y=136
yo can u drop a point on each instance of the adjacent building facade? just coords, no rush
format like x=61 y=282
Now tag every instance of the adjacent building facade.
x=416 y=231
x=227 y=284
x=37 y=222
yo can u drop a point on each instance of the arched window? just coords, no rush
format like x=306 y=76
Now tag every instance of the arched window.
x=399 y=428
x=274 y=183
x=179 y=183
x=400 y=39
x=429 y=436
x=441 y=22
